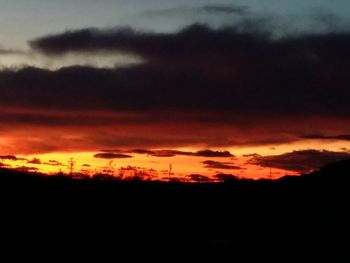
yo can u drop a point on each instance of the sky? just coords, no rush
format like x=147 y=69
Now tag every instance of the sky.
x=195 y=90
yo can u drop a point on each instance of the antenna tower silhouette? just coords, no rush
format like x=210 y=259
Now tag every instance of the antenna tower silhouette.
x=71 y=164
x=271 y=174
x=170 y=171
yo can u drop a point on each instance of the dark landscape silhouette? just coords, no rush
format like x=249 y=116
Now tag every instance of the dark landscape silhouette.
x=293 y=219
x=148 y=117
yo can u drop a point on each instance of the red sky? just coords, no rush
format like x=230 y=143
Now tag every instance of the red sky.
x=190 y=143
x=236 y=100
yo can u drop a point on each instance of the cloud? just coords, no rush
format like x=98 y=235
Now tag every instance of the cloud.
x=342 y=137
x=300 y=161
x=288 y=73
x=78 y=130
x=209 y=153
x=111 y=156
x=17 y=59
x=54 y=163
x=9 y=51
x=225 y=9
x=251 y=155
x=244 y=18
x=159 y=153
x=200 y=86
x=143 y=151
x=150 y=45
x=50 y=162
x=34 y=161
x=4 y=165
x=171 y=153
x=11 y=158
x=197 y=12
x=220 y=165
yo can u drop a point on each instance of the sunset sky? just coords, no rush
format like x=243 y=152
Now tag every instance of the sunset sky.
x=248 y=88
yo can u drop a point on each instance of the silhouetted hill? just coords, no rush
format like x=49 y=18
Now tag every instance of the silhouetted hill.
x=335 y=174
x=293 y=219
x=336 y=171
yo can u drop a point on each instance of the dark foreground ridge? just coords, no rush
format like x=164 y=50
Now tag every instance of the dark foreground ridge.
x=294 y=219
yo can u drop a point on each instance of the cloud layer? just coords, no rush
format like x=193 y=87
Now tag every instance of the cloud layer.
x=300 y=161
x=202 y=68
x=111 y=156
x=171 y=153
x=199 y=86
x=220 y=165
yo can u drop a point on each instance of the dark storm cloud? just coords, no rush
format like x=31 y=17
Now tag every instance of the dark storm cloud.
x=111 y=156
x=197 y=68
x=171 y=153
x=220 y=165
x=191 y=41
x=300 y=161
x=342 y=137
x=198 y=86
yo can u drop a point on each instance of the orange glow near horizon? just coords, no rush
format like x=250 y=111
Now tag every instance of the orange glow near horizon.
x=182 y=166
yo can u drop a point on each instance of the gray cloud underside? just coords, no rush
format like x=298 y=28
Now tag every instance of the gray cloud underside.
x=229 y=78
x=196 y=68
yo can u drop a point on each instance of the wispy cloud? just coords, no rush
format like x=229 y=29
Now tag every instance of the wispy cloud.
x=11 y=158
x=170 y=153
x=111 y=156
x=220 y=165
x=341 y=137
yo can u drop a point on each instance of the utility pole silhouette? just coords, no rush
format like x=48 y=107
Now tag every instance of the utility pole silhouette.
x=271 y=174
x=71 y=164
x=170 y=171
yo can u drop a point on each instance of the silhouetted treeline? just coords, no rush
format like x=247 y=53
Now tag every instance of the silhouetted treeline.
x=293 y=219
